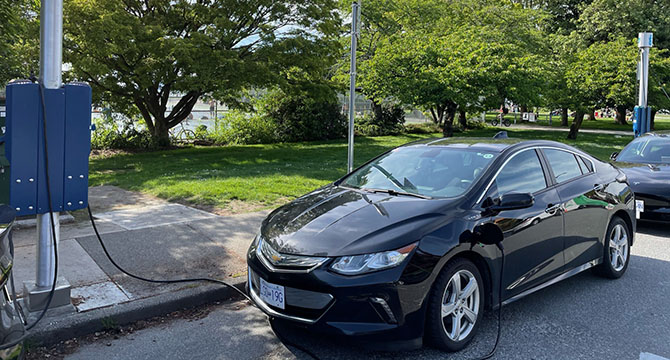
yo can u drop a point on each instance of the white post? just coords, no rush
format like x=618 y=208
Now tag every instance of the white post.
x=355 y=12
x=51 y=58
x=645 y=41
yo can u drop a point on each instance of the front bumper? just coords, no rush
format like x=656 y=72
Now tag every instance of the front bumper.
x=380 y=306
x=656 y=208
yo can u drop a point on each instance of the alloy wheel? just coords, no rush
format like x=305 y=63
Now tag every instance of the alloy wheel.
x=460 y=305
x=618 y=243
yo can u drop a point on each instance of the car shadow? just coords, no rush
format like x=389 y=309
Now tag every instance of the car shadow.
x=572 y=318
x=655 y=228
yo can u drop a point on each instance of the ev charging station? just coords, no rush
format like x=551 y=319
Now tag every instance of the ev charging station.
x=46 y=146
x=642 y=112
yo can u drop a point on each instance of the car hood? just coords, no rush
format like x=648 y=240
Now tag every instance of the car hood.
x=647 y=179
x=337 y=221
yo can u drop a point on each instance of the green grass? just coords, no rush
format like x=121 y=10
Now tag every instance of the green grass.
x=268 y=175
x=661 y=122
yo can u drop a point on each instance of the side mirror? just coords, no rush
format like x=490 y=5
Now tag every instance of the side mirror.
x=614 y=155
x=512 y=202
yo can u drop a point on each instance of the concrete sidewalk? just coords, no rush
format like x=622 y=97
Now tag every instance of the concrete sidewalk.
x=148 y=237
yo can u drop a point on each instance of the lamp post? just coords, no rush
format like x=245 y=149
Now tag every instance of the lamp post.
x=641 y=123
x=355 y=14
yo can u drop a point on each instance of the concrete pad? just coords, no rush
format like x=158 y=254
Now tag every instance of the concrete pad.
x=96 y=296
x=106 y=198
x=74 y=264
x=64 y=218
x=156 y=215
x=162 y=252
x=28 y=236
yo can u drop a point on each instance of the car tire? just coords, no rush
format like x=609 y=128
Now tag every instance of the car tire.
x=446 y=306
x=616 y=250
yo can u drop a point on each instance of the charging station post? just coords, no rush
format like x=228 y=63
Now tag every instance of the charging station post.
x=47 y=143
x=642 y=112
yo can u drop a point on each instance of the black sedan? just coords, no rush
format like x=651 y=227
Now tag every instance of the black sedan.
x=403 y=249
x=646 y=162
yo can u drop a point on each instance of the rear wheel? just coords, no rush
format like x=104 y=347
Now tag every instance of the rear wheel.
x=616 y=250
x=455 y=306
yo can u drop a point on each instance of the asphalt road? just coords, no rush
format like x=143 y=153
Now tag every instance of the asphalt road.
x=584 y=317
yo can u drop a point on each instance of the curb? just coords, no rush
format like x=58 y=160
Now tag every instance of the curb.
x=59 y=327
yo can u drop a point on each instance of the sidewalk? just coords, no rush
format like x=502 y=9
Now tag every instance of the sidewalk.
x=149 y=237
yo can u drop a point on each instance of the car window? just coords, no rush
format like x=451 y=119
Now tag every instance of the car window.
x=648 y=150
x=433 y=171
x=522 y=174
x=587 y=167
x=563 y=164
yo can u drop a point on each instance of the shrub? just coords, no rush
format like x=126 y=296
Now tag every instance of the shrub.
x=114 y=131
x=303 y=117
x=385 y=120
x=240 y=128
x=423 y=128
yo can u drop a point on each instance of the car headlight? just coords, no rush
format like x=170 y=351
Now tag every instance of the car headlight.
x=360 y=264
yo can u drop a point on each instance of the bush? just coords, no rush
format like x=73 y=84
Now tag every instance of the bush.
x=386 y=120
x=114 y=131
x=423 y=128
x=240 y=128
x=303 y=117
x=477 y=125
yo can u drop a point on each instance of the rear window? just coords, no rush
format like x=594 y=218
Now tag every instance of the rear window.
x=563 y=164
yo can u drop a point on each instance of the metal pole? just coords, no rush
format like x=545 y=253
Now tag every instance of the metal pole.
x=645 y=41
x=644 y=76
x=355 y=11
x=51 y=57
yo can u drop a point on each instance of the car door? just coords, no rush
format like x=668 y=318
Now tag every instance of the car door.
x=585 y=209
x=533 y=236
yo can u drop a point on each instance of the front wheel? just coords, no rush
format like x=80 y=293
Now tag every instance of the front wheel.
x=507 y=123
x=455 y=306
x=616 y=250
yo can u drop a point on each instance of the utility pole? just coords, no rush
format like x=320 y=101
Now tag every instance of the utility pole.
x=51 y=53
x=355 y=14
x=642 y=121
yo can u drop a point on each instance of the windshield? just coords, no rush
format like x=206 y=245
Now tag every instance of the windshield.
x=424 y=170
x=647 y=150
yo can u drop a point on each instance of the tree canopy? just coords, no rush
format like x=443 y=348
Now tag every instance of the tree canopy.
x=136 y=53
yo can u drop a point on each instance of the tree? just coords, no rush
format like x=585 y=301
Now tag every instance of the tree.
x=603 y=75
x=136 y=53
x=472 y=56
x=19 y=39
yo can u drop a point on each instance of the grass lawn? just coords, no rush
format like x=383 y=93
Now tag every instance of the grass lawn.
x=250 y=177
x=661 y=122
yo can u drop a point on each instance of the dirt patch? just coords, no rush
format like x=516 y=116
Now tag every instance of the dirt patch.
x=106 y=198
x=233 y=207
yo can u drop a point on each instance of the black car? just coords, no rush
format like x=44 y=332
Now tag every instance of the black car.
x=403 y=248
x=646 y=162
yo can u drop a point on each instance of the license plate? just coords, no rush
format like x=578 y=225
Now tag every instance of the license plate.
x=639 y=208
x=272 y=294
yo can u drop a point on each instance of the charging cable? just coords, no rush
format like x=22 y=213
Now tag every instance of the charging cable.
x=500 y=292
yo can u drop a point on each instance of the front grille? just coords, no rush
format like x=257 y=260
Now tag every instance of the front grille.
x=304 y=304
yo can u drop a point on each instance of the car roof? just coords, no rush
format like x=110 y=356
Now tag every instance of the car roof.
x=487 y=144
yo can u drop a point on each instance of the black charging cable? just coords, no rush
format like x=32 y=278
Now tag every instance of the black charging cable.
x=500 y=301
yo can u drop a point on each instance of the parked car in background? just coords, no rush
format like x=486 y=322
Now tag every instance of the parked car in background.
x=403 y=250
x=646 y=162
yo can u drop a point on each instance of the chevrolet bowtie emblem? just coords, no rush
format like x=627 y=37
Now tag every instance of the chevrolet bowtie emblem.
x=276 y=257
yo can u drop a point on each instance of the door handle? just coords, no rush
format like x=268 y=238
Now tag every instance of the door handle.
x=551 y=209
x=598 y=187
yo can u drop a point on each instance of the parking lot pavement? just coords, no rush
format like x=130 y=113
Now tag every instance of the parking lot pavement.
x=584 y=317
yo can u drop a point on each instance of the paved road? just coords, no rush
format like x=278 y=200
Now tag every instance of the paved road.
x=584 y=317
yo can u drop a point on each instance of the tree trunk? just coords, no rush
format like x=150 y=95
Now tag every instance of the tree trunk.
x=377 y=110
x=621 y=115
x=524 y=108
x=161 y=133
x=462 y=121
x=450 y=112
x=564 y=117
x=576 y=124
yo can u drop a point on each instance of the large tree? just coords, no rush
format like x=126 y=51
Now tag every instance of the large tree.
x=137 y=53
x=472 y=55
x=19 y=39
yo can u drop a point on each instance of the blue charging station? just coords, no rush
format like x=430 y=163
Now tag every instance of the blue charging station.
x=641 y=120
x=68 y=121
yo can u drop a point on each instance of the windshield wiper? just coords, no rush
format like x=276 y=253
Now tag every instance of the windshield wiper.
x=396 y=193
